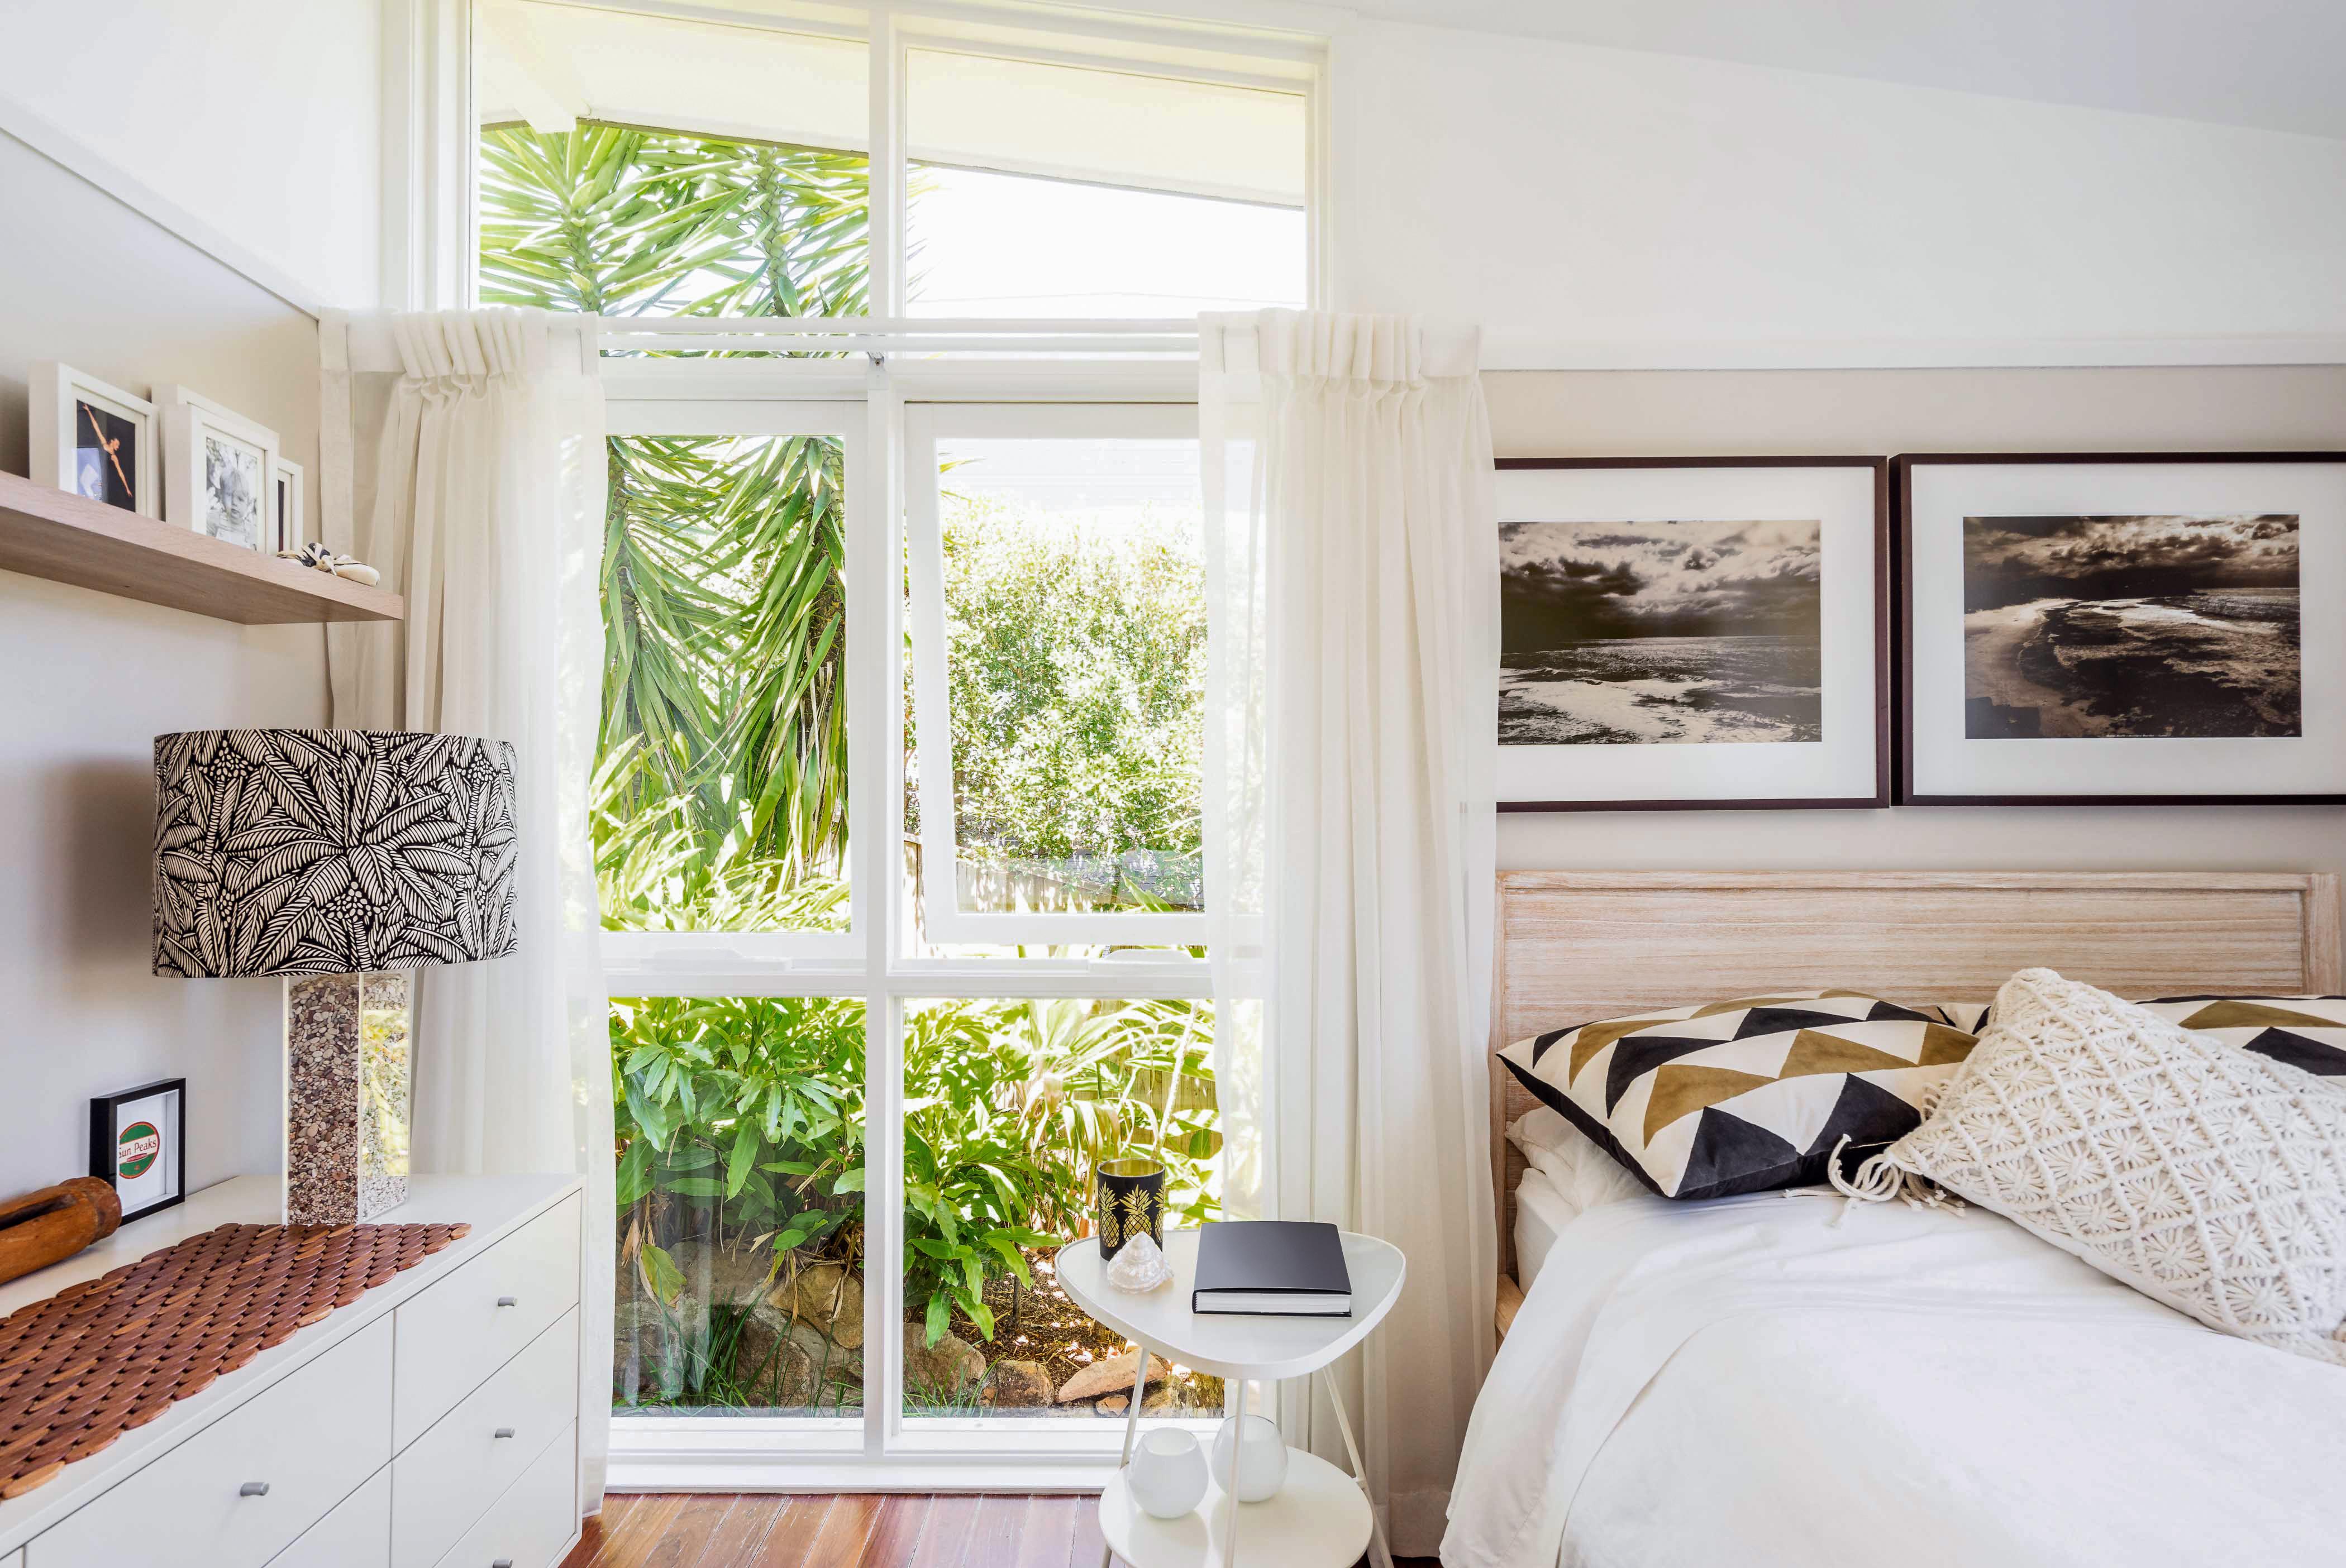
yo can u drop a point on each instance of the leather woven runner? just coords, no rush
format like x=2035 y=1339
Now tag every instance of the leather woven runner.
x=100 y=1358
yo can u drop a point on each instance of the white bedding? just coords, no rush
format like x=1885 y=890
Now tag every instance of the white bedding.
x=1745 y=1382
x=1541 y=1215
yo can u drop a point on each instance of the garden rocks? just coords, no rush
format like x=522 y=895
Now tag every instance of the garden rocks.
x=1161 y=1402
x=1111 y=1376
x=832 y=1299
x=943 y=1371
x=720 y=1277
x=1018 y=1385
x=1114 y=1404
x=771 y=1363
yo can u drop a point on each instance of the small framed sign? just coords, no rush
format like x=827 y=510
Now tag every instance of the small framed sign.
x=138 y=1142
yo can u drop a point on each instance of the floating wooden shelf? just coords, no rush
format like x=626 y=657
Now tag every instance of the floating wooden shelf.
x=68 y=538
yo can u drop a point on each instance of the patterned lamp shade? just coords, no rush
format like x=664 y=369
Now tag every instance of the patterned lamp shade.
x=330 y=851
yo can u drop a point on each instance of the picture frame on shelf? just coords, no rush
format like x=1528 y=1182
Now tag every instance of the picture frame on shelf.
x=138 y=1145
x=2122 y=629
x=1694 y=633
x=93 y=439
x=286 y=518
x=219 y=471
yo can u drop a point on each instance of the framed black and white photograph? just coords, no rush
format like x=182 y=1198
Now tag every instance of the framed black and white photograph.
x=138 y=1142
x=285 y=506
x=222 y=468
x=1693 y=632
x=2098 y=628
x=92 y=439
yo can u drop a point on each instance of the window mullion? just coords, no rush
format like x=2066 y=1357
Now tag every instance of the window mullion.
x=875 y=832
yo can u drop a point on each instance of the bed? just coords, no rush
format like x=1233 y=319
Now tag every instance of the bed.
x=1777 y=1379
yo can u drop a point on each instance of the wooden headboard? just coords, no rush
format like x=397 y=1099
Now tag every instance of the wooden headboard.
x=1572 y=946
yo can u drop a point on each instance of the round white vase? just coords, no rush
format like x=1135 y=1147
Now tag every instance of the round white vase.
x=1263 y=1457
x=1167 y=1475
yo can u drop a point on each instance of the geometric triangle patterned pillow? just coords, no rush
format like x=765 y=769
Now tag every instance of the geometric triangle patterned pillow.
x=2307 y=1032
x=1747 y=1096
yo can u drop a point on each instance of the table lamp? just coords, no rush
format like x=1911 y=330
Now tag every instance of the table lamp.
x=341 y=859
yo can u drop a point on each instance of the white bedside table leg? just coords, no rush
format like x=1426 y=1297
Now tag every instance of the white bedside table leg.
x=1382 y=1556
x=1230 y=1482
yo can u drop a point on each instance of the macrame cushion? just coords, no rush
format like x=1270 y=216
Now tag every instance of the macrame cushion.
x=2307 y=1032
x=1747 y=1096
x=2206 y=1177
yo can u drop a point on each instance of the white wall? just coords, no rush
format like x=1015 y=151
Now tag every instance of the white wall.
x=91 y=679
x=261 y=117
x=1562 y=195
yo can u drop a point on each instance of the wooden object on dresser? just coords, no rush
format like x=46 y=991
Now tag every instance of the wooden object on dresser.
x=1573 y=946
x=434 y=1420
x=69 y=538
x=54 y=1223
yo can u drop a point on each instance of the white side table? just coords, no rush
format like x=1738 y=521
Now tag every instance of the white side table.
x=1321 y=1518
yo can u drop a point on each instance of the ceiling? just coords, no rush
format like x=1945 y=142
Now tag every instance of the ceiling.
x=2272 y=64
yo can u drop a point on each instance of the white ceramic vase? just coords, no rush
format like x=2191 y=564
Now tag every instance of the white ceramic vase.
x=1167 y=1475
x=1262 y=1457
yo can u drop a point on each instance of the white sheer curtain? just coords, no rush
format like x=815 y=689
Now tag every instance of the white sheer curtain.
x=1353 y=585
x=464 y=455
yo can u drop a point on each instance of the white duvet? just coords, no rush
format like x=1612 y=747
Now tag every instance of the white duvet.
x=1747 y=1382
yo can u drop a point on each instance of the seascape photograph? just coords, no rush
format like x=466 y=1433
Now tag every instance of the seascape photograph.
x=1672 y=633
x=2080 y=628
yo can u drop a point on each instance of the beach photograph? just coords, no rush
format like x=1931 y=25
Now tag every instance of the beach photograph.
x=2078 y=627
x=1665 y=633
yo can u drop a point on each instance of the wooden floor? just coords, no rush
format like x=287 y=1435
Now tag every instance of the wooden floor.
x=850 y=1529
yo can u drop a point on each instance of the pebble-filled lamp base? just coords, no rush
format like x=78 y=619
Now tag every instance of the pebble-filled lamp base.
x=347 y=1097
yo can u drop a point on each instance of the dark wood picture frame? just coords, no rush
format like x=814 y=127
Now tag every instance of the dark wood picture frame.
x=1901 y=469
x=105 y=1111
x=1883 y=639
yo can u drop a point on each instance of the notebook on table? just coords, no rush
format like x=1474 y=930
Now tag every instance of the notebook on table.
x=1271 y=1269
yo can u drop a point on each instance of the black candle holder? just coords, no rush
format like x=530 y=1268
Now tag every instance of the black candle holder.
x=1130 y=1202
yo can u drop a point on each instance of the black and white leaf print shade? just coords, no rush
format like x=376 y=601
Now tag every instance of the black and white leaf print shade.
x=330 y=851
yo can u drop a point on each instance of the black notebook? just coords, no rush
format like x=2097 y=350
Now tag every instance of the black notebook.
x=1271 y=1269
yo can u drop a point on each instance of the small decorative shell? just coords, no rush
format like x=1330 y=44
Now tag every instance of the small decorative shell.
x=1139 y=1266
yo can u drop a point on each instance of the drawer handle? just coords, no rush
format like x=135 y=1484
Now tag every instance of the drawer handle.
x=254 y=1489
x=507 y=1301
x=501 y=1563
x=503 y=1432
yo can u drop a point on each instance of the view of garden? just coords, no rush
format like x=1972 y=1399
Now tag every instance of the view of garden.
x=1076 y=659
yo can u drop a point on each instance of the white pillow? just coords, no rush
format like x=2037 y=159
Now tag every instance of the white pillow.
x=1583 y=1175
x=2206 y=1177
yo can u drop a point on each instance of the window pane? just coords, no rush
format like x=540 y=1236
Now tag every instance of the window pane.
x=1055 y=190
x=1075 y=668
x=720 y=789
x=645 y=164
x=1008 y=1107
x=740 y=1192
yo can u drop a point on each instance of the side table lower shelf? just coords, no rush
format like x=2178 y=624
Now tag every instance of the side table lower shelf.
x=1319 y=1519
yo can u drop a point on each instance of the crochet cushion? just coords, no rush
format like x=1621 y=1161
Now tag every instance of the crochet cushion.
x=2208 y=1178
x=1746 y=1096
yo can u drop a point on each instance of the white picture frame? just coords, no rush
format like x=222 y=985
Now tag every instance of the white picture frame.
x=72 y=416
x=219 y=471
x=285 y=505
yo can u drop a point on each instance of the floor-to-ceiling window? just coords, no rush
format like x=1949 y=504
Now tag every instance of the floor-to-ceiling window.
x=898 y=803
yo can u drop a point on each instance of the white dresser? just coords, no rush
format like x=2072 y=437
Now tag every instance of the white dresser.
x=433 y=1423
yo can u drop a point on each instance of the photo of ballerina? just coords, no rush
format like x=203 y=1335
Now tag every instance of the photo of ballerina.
x=1659 y=633
x=2130 y=626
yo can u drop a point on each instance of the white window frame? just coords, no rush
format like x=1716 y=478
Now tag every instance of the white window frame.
x=431 y=262
x=925 y=428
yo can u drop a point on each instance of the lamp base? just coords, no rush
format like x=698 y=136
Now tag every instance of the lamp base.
x=347 y=1097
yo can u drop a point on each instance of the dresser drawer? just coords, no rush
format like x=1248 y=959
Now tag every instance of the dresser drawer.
x=443 y=1482
x=356 y=1534
x=453 y=1336
x=311 y=1440
x=528 y=1526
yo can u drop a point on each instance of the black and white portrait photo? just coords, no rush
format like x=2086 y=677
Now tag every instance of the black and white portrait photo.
x=1659 y=633
x=2089 y=626
x=235 y=490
